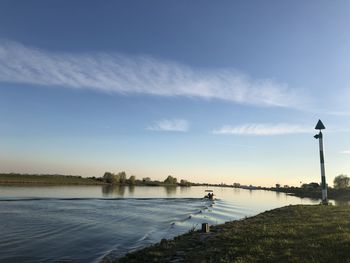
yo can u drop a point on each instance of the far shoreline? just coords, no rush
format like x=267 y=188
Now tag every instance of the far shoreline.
x=16 y=179
x=13 y=179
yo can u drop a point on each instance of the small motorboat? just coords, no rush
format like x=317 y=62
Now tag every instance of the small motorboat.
x=209 y=195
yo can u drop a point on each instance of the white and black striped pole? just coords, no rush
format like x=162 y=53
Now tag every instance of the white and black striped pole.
x=319 y=136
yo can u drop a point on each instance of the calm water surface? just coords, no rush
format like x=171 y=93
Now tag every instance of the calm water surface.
x=87 y=223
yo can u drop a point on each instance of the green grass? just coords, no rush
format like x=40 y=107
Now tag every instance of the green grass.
x=10 y=179
x=288 y=234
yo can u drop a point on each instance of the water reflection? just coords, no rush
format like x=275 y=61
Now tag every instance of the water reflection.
x=236 y=190
x=113 y=190
x=170 y=190
x=139 y=211
x=278 y=195
x=256 y=199
x=184 y=189
x=341 y=202
x=131 y=189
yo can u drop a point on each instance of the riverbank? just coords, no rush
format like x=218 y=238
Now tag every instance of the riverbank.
x=301 y=233
x=57 y=179
x=335 y=194
x=43 y=179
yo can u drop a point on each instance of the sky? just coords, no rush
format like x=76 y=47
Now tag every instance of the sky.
x=218 y=92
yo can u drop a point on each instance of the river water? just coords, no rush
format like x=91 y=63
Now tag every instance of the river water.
x=87 y=223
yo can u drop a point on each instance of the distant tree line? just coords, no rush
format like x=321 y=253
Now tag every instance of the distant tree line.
x=341 y=182
x=121 y=179
x=54 y=179
x=170 y=180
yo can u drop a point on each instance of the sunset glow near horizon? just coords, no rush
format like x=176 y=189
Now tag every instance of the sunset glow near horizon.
x=209 y=92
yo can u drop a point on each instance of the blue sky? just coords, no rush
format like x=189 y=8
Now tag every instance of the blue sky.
x=210 y=92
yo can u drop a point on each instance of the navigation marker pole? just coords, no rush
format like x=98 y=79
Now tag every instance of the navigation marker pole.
x=320 y=126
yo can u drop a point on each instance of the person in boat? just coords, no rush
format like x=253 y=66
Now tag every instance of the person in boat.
x=210 y=195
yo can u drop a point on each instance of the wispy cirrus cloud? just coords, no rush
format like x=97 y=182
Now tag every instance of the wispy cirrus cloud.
x=338 y=113
x=111 y=72
x=174 y=125
x=345 y=152
x=263 y=129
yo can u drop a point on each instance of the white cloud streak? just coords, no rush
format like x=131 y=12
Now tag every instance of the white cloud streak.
x=175 y=125
x=345 y=152
x=263 y=129
x=338 y=113
x=111 y=72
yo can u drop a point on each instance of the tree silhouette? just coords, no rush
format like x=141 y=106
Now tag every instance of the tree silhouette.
x=341 y=181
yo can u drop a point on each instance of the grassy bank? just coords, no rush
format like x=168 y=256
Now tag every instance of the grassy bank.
x=288 y=234
x=35 y=179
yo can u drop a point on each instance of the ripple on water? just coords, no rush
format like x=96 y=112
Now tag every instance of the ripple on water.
x=86 y=229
